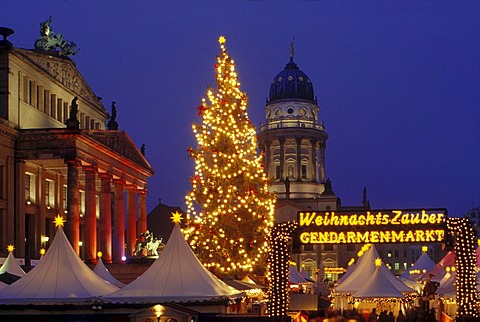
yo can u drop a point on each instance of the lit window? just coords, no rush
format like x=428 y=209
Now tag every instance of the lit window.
x=389 y=254
x=49 y=193
x=396 y=266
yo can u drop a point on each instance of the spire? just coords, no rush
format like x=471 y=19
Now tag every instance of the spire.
x=365 y=202
x=292 y=49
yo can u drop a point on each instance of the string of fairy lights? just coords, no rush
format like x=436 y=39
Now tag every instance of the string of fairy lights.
x=279 y=268
x=229 y=208
x=465 y=263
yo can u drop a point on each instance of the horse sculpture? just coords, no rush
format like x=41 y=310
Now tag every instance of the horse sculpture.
x=147 y=245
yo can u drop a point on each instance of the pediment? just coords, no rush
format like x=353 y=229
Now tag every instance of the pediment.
x=120 y=142
x=63 y=70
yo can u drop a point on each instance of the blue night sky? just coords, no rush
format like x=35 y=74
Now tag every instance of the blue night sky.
x=398 y=83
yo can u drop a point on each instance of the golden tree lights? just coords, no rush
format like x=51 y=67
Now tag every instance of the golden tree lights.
x=229 y=208
x=279 y=268
x=465 y=262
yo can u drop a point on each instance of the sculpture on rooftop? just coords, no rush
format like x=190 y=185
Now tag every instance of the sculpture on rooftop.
x=112 y=123
x=72 y=121
x=49 y=41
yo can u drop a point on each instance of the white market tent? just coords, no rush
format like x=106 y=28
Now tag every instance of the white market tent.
x=11 y=266
x=176 y=276
x=349 y=271
x=295 y=277
x=364 y=268
x=378 y=286
x=305 y=275
x=440 y=269
x=105 y=274
x=423 y=264
x=59 y=278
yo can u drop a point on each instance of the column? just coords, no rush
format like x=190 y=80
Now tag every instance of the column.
x=131 y=219
x=105 y=218
x=267 y=159
x=142 y=212
x=322 y=161
x=90 y=216
x=20 y=208
x=72 y=226
x=282 y=158
x=313 y=158
x=299 y=158
x=119 y=222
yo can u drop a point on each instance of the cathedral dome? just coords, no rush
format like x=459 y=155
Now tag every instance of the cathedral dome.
x=291 y=83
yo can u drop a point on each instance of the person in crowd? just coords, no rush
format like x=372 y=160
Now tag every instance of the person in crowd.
x=401 y=317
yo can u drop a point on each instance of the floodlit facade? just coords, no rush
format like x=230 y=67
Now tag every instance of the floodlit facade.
x=293 y=142
x=58 y=156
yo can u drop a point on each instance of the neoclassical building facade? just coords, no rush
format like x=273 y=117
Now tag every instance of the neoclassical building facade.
x=58 y=156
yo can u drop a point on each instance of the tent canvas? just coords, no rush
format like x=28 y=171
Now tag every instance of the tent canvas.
x=176 y=276
x=60 y=277
x=364 y=267
x=423 y=264
x=305 y=275
x=378 y=286
x=11 y=266
x=295 y=277
x=440 y=268
x=105 y=274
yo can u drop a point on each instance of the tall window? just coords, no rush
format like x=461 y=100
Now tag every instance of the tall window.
x=304 y=171
x=49 y=193
x=81 y=201
x=29 y=188
x=64 y=197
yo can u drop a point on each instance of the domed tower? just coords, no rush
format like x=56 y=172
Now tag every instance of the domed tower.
x=293 y=140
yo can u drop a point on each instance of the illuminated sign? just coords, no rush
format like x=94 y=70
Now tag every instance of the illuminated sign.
x=373 y=226
x=334 y=270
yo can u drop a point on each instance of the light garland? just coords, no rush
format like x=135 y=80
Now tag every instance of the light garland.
x=465 y=263
x=229 y=208
x=279 y=268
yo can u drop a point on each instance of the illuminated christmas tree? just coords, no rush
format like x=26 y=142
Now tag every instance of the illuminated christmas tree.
x=229 y=209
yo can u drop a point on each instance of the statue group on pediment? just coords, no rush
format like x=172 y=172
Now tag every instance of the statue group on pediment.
x=49 y=41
